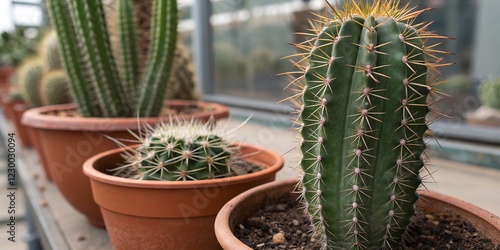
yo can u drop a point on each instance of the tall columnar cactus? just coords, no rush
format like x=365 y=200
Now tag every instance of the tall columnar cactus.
x=30 y=75
x=362 y=102
x=49 y=52
x=181 y=150
x=489 y=93
x=54 y=88
x=88 y=58
x=131 y=48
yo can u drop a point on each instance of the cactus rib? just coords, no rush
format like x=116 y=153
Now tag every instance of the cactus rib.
x=129 y=54
x=162 y=49
x=94 y=42
x=81 y=91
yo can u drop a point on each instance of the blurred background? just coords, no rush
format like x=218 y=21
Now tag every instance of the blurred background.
x=246 y=39
x=238 y=48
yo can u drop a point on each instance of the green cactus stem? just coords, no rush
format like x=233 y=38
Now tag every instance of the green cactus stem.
x=54 y=88
x=30 y=75
x=101 y=86
x=489 y=94
x=181 y=151
x=160 y=58
x=362 y=101
x=73 y=61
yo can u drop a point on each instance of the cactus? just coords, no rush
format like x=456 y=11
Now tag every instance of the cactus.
x=182 y=83
x=49 y=52
x=30 y=74
x=88 y=57
x=54 y=88
x=132 y=57
x=181 y=151
x=362 y=101
x=489 y=94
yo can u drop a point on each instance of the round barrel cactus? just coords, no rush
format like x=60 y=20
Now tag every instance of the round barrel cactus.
x=54 y=88
x=181 y=151
x=29 y=78
x=489 y=93
x=365 y=77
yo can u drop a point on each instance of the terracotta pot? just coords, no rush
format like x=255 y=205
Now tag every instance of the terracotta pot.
x=246 y=204
x=148 y=214
x=18 y=110
x=5 y=74
x=35 y=140
x=8 y=105
x=68 y=141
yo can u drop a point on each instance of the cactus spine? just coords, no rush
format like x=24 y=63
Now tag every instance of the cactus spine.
x=362 y=101
x=489 y=94
x=181 y=151
x=88 y=57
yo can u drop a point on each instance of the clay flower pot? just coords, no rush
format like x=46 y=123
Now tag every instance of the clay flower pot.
x=18 y=109
x=149 y=214
x=68 y=141
x=246 y=204
x=8 y=105
x=5 y=74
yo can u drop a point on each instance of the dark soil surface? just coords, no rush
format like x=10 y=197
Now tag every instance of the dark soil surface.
x=241 y=167
x=284 y=225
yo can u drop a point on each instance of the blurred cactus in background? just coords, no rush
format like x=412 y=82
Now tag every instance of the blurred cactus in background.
x=489 y=94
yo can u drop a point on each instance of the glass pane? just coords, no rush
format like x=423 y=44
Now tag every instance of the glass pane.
x=250 y=38
x=27 y=15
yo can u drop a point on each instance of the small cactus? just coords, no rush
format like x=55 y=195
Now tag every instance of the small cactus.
x=49 y=52
x=54 y=88
x=181 y=151
x=489 y=94
x=29 y=78
x=361 y=96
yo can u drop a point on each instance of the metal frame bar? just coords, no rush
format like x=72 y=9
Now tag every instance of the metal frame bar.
x=203 y=45
x=41 y=5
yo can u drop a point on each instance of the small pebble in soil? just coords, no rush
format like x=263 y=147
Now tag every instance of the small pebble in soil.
x=279 y=238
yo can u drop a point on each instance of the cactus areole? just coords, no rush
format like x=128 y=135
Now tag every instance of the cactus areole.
x=361 y=97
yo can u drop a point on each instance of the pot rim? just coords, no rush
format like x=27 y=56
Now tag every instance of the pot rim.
x=225 y=234
x=94 y=175
x=36 y=118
